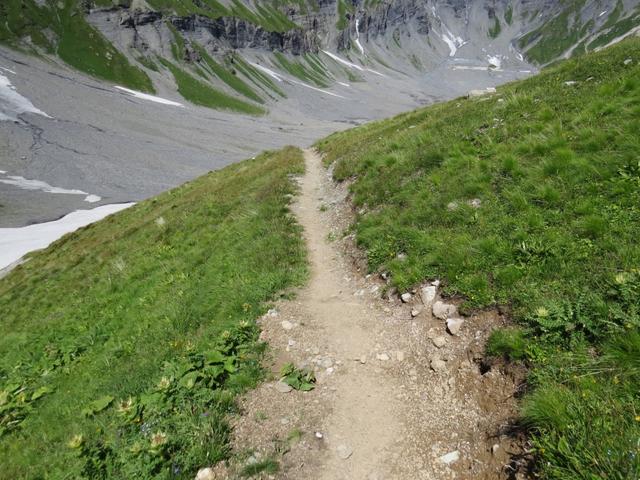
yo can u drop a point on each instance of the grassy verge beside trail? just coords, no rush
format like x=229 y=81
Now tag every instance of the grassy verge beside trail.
x=123 y=344
x=529 y=199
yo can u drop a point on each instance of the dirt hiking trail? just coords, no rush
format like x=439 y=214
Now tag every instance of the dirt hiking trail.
x=397 y=396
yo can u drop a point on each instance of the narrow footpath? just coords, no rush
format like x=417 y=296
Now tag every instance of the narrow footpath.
x=398 y=396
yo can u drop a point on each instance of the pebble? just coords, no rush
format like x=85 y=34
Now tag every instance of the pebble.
x=382 y=356
x=400 y=356
x=450 y=457
x=283 y=387
x=286 y=324
x=319 y=435
x=438 y=365
x=415 y=312
x=344 y=451
x=326 y=362
x=406 y=297
x=454 y=325
x=363 y=359
x=443 y=310
x=206 y=474
x=627 y=61
x=495 y=448
x=439 y=341
x=428 y=294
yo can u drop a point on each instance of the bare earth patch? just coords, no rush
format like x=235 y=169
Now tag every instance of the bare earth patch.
x=397 y=397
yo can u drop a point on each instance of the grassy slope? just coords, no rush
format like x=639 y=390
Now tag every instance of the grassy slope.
x=148 y=293
x=203 y=94
x=78 y=43
x=555 y=238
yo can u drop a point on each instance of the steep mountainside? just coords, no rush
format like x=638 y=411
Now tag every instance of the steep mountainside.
x=233 y=77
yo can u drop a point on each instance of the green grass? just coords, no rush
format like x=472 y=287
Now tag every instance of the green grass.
x=311 y=71
x=554 y=37
x=254 y=75
x=203 y=94
x=129 y=338
x=76 y=42
x=495 y=29
x=508 y=15
x=344 y=7
x=554 y=239
x=228 y=77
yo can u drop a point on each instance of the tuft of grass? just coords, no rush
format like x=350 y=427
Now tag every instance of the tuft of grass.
x=268 y=465
x=203 y=94
x=554 y=235
x=509 y=343
x=147 y=326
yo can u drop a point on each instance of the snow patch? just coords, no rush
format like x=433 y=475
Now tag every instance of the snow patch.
x=453 y=42
x=13 y=104
x=357 y=41
x=29 y=184
x=349 y=64
x=282 y=78
x=151 y=98
x=268 y=71
x=16 y=242
x=495 y=60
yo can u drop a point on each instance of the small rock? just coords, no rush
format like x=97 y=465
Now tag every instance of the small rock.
x=439 y=341
x=363 y=359
x=415 y=312
x=627 y=61
x=283 y=387
x=438 y=365
x=589 y=79
x=272 y=312
x=450 y=457
x=344 y=451
x=436 y=283
x=401 y=256
x=454 y=325
x=382 y=357
x=475 y=202
x=384 y=275
x=406 y=297
x=443 y=310
x=291 y=343
x=570 y=83
x=160 y=221
x=400 y=356
x=286 y=324
x=319 y=435
x=206 y=474
x=329 y=370
x=326 y=362
x=428 y=294
x=495 y=448
x=451 y=206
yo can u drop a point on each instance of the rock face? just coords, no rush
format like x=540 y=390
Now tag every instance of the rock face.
x=311 y=27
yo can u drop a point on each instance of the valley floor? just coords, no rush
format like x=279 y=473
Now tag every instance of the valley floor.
x=397 y=396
